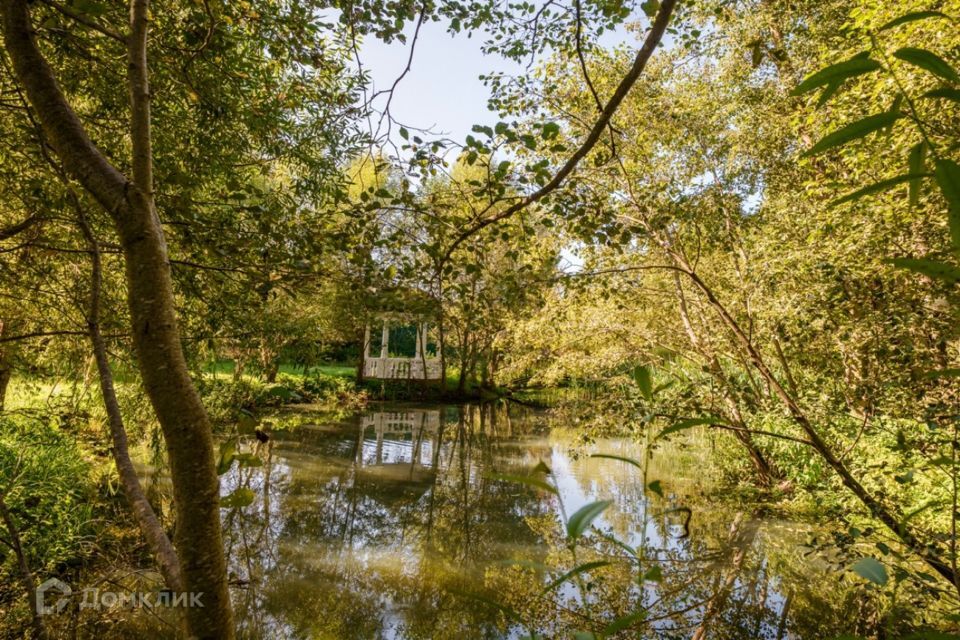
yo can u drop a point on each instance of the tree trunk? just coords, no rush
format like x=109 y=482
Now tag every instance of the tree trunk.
x=765 y=470
x=156 y=338
x=874 y=505
x=5 y=374
x=6 y=366
x=363 y=355
x=270 y=370
x=186 y=428
x=150 y=526
x=27 y=579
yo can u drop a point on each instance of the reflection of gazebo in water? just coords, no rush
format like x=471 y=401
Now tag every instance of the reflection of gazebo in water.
x=416 y=361
x=400 y=469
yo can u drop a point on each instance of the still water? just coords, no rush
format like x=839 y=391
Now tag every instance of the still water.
x=398 y=524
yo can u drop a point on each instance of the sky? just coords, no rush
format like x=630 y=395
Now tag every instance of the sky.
x=443 y=90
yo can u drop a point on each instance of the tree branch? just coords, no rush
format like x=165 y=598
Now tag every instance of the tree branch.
x=653 y=38
x=85 y=21
x=63 y=128
x=13 y=230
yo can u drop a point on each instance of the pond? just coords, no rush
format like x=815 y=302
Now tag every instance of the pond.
x=399 y=523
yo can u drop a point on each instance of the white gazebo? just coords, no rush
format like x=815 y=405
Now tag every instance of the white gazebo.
x=420 y=366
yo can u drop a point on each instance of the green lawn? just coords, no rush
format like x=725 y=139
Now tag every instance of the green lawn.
x=226 y=367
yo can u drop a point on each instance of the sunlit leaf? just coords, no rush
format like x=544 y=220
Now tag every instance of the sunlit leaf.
x=621 y=544
x=620 y=458
x=530 y=481
x=242 y=497
x=945 y=93
x=247 y=460
x=541 y=467
x=928 y=61
x=586 y=566
x=227 y=451
x=879 y=187
x=581 y=520
x=947 y=173
x=656 y=487
x=644 y=381
x=913 y=17
x=854 y=131
x=830 y=90
x=688 y=423
x=870 y=569
x=917 y=165
x=510 y=613
x=930 y=635
x=942 y=373
x=624 y=622
x=931 y=268
x=650 y=7
x=836 y=73
x=653 y=574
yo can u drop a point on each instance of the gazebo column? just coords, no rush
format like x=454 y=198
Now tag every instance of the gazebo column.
x=385 y=341
x=418 y=350
x=366 y=342
x=423 y=353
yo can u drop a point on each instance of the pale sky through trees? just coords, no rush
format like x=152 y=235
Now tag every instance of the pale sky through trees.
x=443 y=90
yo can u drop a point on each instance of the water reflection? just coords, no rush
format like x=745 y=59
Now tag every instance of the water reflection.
x=389 y=525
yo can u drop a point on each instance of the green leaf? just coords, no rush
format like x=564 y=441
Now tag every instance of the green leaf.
x=913 y=17
x=902 y=525
x=624 y=622
x=942 y=373
x=620 y=458
x=945 y=93
x=541 y=467
x=527 y=480
x=581 y=520
x=656 y=487
x=928 y=61
x=830 y=90
x=247 y=460
x=621 y=544
x=917 y=164
x=870 y=569
x=247 y=423
x=653 y=574
x=854 y=131
x=931 y=268
x=947 y=173
x=586 y=566
x=686 y=424
x=931 y=635
x=836 y=73
x=228 y=450
x=879 y=187
x=242 y=497
x=644 y=380
x=650 y=7
x=510 y=613
x=550 y=130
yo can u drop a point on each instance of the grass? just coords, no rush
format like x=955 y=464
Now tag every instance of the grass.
x=339 y=370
